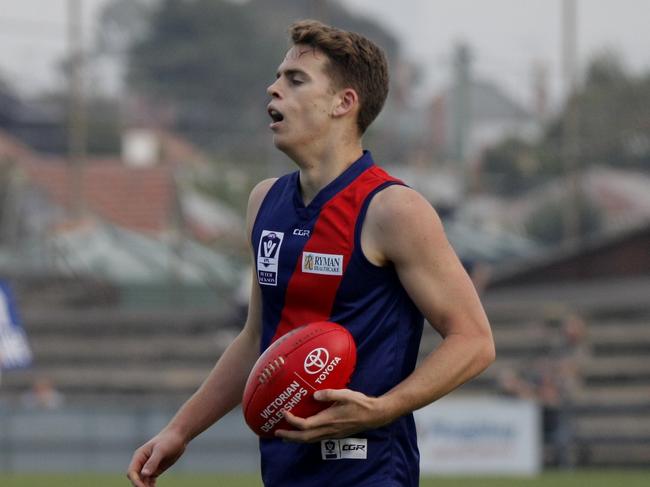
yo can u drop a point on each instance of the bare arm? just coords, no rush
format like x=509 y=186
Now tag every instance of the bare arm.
x=220 y=392
x=406 y=231
x=403 y=229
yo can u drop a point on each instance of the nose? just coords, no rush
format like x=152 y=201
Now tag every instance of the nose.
x=272 y=89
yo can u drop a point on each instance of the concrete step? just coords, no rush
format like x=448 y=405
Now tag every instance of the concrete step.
x=618 y=455
x=630 y=366
x=629 y=426
x=616 y=395
x=595 y=369
x=173 y=378
x=602 y=334
x=206 y=347
x=115 y=321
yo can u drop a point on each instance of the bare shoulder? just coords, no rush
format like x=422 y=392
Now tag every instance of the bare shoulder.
x=397 y=200
x=259 y=192
x=400 y=220
x=255 y=200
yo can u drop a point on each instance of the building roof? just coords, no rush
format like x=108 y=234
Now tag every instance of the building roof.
x=475 y=244
x=113 y=254
x=11 y=149
x=492 y=102
x=620 y=254
x=491 y=114
x=140 y=199
x=143 y=199
x=621 y=195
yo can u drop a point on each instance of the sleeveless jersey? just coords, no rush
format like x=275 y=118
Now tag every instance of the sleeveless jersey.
x=310 y=267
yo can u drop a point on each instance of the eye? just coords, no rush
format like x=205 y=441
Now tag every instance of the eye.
x=296 y=81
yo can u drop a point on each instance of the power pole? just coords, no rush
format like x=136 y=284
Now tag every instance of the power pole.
x=76 y=111
x=461 y=105
x=570 y=125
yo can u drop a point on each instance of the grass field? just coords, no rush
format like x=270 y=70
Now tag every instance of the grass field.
x=590 y=478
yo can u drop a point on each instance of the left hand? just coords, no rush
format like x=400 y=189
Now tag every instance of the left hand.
x=351 y=413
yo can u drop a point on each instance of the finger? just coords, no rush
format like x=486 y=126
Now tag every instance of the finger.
x=334 y=395
x=310 y=436
x=323 y=418
x=138 y=480
x=295 y=421
x=151 y=467
x=135 y=479
x=133 y=472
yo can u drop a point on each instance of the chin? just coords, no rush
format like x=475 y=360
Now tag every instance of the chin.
x=281 y=144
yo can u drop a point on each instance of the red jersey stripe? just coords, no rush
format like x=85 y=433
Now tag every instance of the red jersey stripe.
x=332 y=238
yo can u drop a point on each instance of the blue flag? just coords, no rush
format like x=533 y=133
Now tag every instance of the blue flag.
x=14 y=349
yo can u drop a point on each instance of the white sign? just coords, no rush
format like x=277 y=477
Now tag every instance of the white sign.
x=479 y=436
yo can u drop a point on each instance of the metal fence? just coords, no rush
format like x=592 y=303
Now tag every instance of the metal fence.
x=77 y=439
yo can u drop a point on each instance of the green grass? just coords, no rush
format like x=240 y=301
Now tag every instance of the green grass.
x=588 y=478
x=99 y=480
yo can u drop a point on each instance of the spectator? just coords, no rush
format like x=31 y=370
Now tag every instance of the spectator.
x=43 y=395
x=555 y=382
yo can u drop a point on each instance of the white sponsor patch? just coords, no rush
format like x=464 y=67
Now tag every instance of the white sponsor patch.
x=329 y=264
x=268 y=254
x=344 y=449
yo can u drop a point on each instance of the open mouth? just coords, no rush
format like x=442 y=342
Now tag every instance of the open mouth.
x=275 y=115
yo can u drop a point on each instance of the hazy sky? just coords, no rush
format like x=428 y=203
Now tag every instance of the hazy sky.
x=507 y=36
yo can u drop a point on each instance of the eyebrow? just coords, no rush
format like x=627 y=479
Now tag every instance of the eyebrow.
x=291 y=72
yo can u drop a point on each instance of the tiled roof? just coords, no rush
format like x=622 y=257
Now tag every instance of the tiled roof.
x=12 y=149
x=141 y=199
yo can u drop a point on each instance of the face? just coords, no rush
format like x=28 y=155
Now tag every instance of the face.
x=302 y=100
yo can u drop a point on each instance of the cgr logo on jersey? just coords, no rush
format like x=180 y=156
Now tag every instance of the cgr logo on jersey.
x=346 y=448
x=299 y=232
x=328 y=264
x=267 y=257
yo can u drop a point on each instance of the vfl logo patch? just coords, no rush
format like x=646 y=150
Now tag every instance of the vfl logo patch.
x=267 y=257
x=346 y=448
x=328 y=264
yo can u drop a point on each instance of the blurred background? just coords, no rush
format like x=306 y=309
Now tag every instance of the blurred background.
x=131 y=132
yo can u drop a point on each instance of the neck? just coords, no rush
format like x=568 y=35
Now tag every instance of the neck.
x=318 y=170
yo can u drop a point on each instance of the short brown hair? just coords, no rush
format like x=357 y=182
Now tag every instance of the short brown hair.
x=353 y=61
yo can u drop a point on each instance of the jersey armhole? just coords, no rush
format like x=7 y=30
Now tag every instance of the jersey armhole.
x=265 y=201
x=361 y=218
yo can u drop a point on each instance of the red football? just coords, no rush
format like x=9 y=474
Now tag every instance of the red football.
x=317 y=356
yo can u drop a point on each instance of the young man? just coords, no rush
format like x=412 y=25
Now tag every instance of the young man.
x=389 y=265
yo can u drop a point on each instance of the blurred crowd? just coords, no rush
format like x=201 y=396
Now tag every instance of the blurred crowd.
x=555 y=381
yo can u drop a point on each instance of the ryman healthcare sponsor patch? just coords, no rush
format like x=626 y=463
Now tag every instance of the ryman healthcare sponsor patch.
x=268 y=253
x=329 y=264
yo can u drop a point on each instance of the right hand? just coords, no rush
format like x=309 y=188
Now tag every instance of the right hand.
x=154 y=457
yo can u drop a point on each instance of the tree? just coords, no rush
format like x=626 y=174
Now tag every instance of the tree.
x=614 y=129
x=613 y=118
x=211 y=60
x=511 y=167
x=545 y=225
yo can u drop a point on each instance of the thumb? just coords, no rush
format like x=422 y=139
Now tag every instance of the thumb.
x=151 y=466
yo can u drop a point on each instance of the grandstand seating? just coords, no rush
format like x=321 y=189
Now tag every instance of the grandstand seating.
x=108 y=354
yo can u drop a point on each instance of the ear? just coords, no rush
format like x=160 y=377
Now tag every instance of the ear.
x=347 y=101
